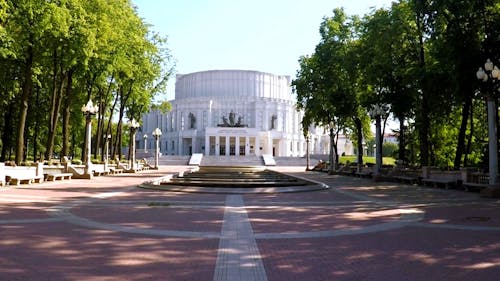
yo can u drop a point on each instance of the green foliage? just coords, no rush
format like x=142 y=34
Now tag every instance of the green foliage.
x=56 y=55
x=163 y=107
x=367 y=160
x=327 y=81
x=417 y=56
x=390 y=149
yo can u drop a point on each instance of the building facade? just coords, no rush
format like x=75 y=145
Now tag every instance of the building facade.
x=232 y=112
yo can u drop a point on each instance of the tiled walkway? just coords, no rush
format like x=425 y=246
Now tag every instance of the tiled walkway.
x=108 y=229
x=238 y=256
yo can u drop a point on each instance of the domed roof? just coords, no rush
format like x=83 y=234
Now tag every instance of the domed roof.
x=232 y=83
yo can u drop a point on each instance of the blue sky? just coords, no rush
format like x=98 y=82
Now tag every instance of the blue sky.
x=262 y=35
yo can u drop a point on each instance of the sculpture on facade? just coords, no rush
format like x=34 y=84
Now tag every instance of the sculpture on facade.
x=192 y=121
x=229 y=121
x=273 y=121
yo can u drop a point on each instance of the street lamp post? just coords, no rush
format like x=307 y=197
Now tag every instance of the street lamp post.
x=156 y=135
x=88 y=110
x=307 y=151
x=491 y=75
x=377 y=111
x=133 y=128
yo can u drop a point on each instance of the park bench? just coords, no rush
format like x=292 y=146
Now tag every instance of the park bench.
x=147 y=164
x=410 y=176
x=347 y=170
x=438 y=178
x=364 y=172
x=60 y=176
x=119 y=165
x=2 y=175
x=100 y=170
x=125 y=167
x=113 y=169
x=16 y=175
x=474 y=181
x=141 y=166
x=53 y=173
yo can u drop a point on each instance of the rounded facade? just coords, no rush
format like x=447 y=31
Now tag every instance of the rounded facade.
x=232 y=83
x=231 y=112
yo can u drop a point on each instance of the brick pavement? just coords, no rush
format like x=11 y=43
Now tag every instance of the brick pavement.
x=108 y=229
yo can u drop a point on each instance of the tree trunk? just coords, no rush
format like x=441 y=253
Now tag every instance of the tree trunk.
x=402 y=140
x=359 y=136
x=123 y=102
x=27 y=90
x=58 y=84
x=100 y=119
x=471 y=133
x=109 y=127
x=106 y=130
x=424 y=122
x=6 y=132
x=36 y=134
x=68 y=98
x=333 y=152
x=461 y=134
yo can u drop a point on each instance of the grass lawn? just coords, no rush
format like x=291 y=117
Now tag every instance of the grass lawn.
x=367 y=159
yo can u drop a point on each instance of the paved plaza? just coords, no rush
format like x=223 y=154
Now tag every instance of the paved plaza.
x=110 y=229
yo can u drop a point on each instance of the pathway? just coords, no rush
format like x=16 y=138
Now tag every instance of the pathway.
x=107 y=229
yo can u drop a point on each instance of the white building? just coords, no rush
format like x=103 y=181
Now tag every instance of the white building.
x=232 y=112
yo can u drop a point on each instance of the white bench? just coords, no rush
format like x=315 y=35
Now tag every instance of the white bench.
x=100 y=170
x=2 y=174
x=23 y=174
x=115 y=170
x=61 y=176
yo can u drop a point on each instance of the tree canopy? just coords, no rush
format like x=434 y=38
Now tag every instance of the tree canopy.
x=417 y=56
x=57 y=55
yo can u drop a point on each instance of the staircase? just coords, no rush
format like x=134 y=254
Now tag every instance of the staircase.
x=235 y=161
x=173 y=160
x=292 y=161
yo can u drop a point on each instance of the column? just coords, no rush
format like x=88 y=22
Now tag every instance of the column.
x=209 y=117
x=286 y=146
x=227 y=145
x=257 y=144
x=265 y=120
x=193 y=145
x=217 y=145
x=247 y=145
x=207 y=144
x=269 y=143
x=180 y=147
x=237 y=146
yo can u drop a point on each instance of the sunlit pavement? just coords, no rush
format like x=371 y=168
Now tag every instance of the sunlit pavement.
x=109 y=229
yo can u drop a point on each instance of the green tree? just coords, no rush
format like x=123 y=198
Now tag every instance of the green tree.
x=56 y=55
x=327 y=83
x=388 y=56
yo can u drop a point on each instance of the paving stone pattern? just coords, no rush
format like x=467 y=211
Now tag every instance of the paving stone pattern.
x=109 y=229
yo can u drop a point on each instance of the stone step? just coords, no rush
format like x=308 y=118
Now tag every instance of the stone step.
x=235 y=161
x=226 y=177
x=236 y=184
